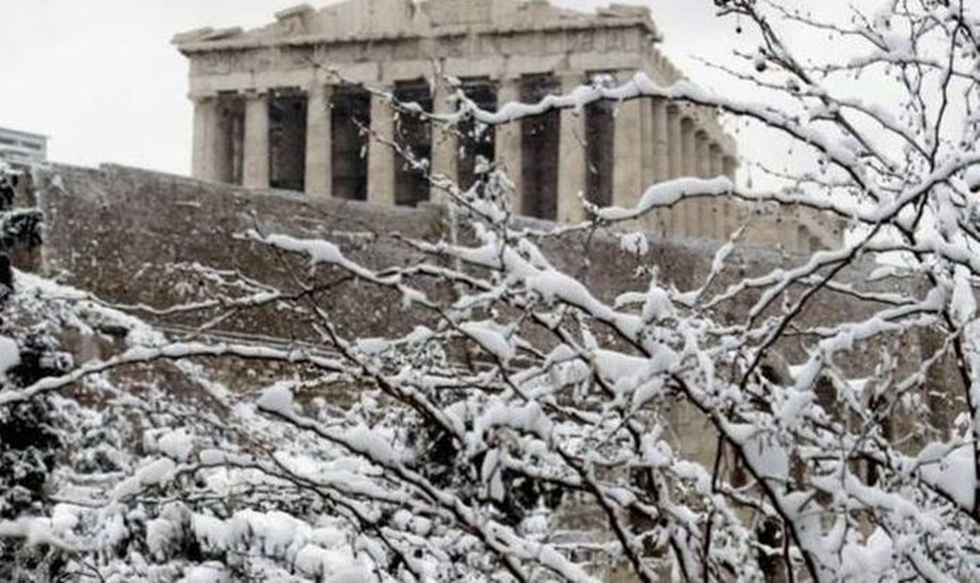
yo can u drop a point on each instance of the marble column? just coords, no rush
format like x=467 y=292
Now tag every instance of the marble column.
x=628 y=158
x=703 y=153
x=381 y=158
x=675 y=149
x=661 y=140
x=647 y=170
x=660 y=157
x=319 y=174
x=445 y=145
x=689 y=209
x=719 y=206
x=255 y=159
x=734 y=211
x=716 y=163
x=675 y=166
x=507 y=144
x=572 y=159
x=689 y=152
x=205 y=133
x=705 y=207
x=730 y=166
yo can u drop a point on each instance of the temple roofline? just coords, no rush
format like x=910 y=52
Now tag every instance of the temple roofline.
x=205 y=42
x=292 y=26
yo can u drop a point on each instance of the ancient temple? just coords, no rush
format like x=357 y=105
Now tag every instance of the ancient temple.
x=284 y=106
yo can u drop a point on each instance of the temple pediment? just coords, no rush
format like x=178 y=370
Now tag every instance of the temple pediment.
x=374 y=19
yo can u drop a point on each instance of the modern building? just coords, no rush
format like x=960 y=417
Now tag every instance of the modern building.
x=285 y=105
x=22 y=148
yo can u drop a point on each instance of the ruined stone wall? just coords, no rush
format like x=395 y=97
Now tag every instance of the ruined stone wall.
x=134 y=237
x=119 y=232
x=138 y=237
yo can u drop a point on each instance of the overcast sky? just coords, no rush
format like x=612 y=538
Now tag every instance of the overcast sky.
x=101 y=79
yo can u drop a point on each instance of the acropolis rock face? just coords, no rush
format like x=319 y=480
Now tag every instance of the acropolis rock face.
x=287 y=106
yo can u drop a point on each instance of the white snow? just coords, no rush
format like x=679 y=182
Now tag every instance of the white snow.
x=950 y=468
x=177 y=444
x=278 y=399
x=319 y=251
x=9 y=354
x=492 y=337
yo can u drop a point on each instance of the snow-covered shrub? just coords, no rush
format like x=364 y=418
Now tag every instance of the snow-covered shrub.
x=29 y=440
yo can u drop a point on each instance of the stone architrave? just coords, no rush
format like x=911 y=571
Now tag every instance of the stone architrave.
x=572 y=159
x=381 y=158
x=445 y=145
x=507 y=144
x=255 y=158
x=319 y=174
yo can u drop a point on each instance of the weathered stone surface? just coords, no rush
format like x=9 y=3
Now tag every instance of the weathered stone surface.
x=119 y=231
x=115 y=230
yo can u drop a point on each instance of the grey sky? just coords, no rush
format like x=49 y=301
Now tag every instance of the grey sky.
x=102 y=80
